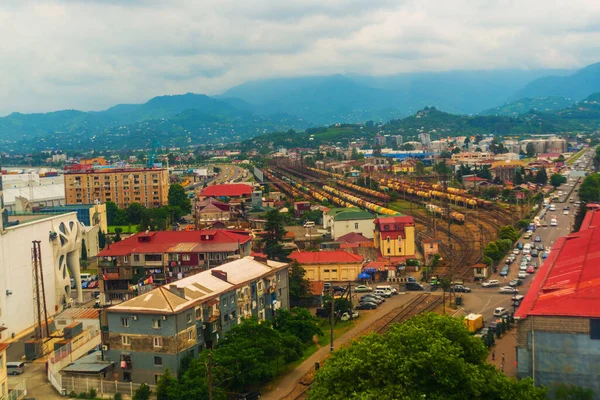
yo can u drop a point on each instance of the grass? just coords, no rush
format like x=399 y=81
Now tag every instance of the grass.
x=575 y=157
x=126 y=228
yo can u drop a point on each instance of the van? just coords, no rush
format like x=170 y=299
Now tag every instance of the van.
x=517 y=299
x=15 y=368
x=85 y=277
x=414 y=286
x=383 y=293
x=309 y=224
x=387 y=289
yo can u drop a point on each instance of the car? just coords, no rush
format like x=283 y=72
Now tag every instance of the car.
x=254 y=395
x=530 y=269
x=528 y=234
x=545 y=255
x=538 y=239
x=500 y=311
x=534 y=253
x=544 y=223
x=504 y=271
x=523 y=267
x=414 y=286
x=510 y=260
x=522 y=275
x=363 y=288
x=366 y=306
x=517 y=299
x=309 y=224
x=520 y=245
x=508 y=290
x=382 y=293
x=85 y=284
x=540 y=247
x=460 y=289
x=327 y=285
x=373 y=299
x=339 y=288
x=491 y=283
x=566 y=212
x=92 y=285
x=515 y=283
x=566 y=208
x=516 y=251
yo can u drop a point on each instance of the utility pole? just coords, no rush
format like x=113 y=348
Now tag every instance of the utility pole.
x=210 y=377
x=332 y=320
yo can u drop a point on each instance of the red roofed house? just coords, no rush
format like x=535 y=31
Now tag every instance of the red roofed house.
x=211 y=210
x=337 y=265
x=558 y=321
x=395 y=237
x=165 y=256
x=231 y=190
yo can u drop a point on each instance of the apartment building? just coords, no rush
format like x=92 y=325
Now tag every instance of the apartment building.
x=147 y=186
x=163 y=257
x=156 y=330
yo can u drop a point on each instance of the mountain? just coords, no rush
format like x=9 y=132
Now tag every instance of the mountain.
x=179 y=120
x=575 y=86
x=357 y=98
x=521 y=106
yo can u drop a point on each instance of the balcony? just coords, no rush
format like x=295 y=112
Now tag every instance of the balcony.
x=158 y=263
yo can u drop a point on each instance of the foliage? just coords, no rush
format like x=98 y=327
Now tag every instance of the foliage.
x=274 y=233
x=299 y=285
x=589 y=191
x=530 y=150
x=419 y=167
x=557 y=179
x=84 y=255
x=572 y=392
x=118 y=396
x=118 y=232
x=142 y=393
x=509 y=232
x=101 y=239
x=299 y=322
x=114 y=215
x=493 y=251
x=134 y=213
x=178 y=198
x=541 y=177
x=433 y=357
x=523 y=223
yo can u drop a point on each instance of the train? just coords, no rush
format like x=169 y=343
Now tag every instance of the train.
x=454 y=215
x=370 y=192
x=362 y=203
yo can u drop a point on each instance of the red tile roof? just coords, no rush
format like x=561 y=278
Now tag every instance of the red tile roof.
x=352 y=237
x=395 y=226
x=317 y=288
x=473 y=179
x=325 y=257
x=227 y=190
x=568 y=283
x=178 y=242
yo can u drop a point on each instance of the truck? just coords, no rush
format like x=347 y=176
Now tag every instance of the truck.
x=473 y=322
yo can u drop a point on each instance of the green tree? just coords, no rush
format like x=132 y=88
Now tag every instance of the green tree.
x=493 y=252
x=572 y=392
x=167 y=387
x=134 y=213
x=530 y=150
x=518 y=178
x=118 y=232
x=484 y=172
x=299 y=285
x=84 y=255
x=299 y=322
x=589 y=192
x=101 y=239
x=178 y=198
x=377 y=151
x=523 y=223
x=114 y=215
x=407 y=147
x=541 y=177
x=557 y=179
x=509 y=232
x=419 y=168
x=142 y=393
x=274 y=233
x=446 y=363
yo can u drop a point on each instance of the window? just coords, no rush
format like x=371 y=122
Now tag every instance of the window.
x=185 y=257
x=225 y=301
x=595 y=329
x=479 y=271
x=259 y=285
x=279 y=292
x=157 y=378
x=126 y=376
x=126 y=340
x=157 y=360
x=232 y=299
x=126 y=259
x=198 y=313
x=1 y=362
x=190 y=335
x=157 y=341
x=261 y=301
x=399 y=249
x=388 y=250
x=156 y=323
x=125 y=322
x=189 y=317
x=278 y=277
x=356 y=225
x=136 y=257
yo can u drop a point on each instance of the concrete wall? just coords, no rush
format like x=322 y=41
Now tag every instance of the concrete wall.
x=561 y=350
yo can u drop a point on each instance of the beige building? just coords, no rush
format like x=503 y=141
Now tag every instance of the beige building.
x=395 y=237
x=337 y=265
x=149 y=187
x=3 y=372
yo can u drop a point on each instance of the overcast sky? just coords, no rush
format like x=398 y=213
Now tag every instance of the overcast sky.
x=91 y=54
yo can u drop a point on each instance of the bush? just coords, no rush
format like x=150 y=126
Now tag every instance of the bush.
x=73 y=394
x=118 y=396
x=142 y=393
x=92 y=394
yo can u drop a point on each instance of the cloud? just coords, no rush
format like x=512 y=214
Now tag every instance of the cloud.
x=91 y=54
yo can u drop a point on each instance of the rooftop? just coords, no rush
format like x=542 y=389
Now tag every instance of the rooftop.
x=352 y=237
x=227 y=190
x=325 y=257
x=178 y=242
x=568 y=283
x=196 y=289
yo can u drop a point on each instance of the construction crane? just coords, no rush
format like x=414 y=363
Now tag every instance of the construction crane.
x=156 y=146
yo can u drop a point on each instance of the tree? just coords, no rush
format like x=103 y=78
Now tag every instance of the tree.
x=274 y=233
x=167 y=387
x=134 y=213
x=114 y=215
x=445 y=154
x=493 y=252
x=407 y=147
x=572 y=392
x=299 y=322
x=557 y=179
x=509 y=232
x=530 y=150
x=101 y=239
x=178 y=198
x=523 y=223
x=518 y=178
x=419 y=168
x=142 y=393
x=118 y=232
x=446 y=363
x=84 y=255
x=299 y=285
x=541 y=177
x=377 y=151
x=589 y=192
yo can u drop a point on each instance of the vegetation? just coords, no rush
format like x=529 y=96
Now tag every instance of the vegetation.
x=557 y=179
x=589 y=192
x=274 y=233
x=445 y=363
x=142 y=393
x=299 y=285
x=137 y=215
x=178 y=198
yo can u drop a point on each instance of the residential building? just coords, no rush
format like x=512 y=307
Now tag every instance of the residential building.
x=3 y=371
x=556 y=145
x=406 y=166
x=236 y=191
x=123 y=186
x=472 y=158
x=425 y=138
x=211 y=210
x=431 y=247
x=506 y=170
x=481 y=272
x=154 y=331
x=59 y=157
x=345 y=220
x=163 y=257
x=335 y=265
x=394 y=237
x=558 y=321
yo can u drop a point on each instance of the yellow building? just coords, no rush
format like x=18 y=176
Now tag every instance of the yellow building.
x=337 y=265
x=123 y=186
x=3 y=372
x=395 y=237
x=407 y=166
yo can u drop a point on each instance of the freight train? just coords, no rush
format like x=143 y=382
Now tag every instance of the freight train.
x=454 y=216
x=362 y=203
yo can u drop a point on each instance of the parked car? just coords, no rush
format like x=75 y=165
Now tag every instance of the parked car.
x=500 y=311
x=516 y=251
x=545 y=255
x=491 y=283
x=540 y=247
x=530 y=269
x=375 y=299
x=504 y=271
x=522 y=275
x=327 y=285
x=85 y=284
x=534 y=253
x=366 y=306
x=460 y=289
x=515 y=282
x=523 y=267
x=382 y=293
x=363 y=288
x=538 y=239
x=508 y=290
x=414 y=286
x=520 y=245
x=566 y=212
x=339 y=288
x=517 y=299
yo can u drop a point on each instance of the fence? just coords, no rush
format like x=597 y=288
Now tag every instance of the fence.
x=104 y=387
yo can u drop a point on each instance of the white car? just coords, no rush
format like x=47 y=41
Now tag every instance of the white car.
x=523 y=267
x=522 y=275
x=566 y=212
x=508 y=289
x=491 y=283
x=500 y=311
x=516 y=251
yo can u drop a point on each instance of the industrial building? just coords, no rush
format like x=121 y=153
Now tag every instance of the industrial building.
x=558 y=322
x=154 y=331
x=86 y=184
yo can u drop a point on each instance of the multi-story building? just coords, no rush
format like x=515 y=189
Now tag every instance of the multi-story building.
x=336 y=265
x=154 y=331
x=210 y=210
x=474 y=158
x=394 y=237
x=3 y=371
x=506 y=170
x=345 y=220
x=165 y=256
x=558 y=321
x=123 y=186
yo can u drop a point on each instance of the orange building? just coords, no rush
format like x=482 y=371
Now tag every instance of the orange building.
x=93 y=161
x=123 y=186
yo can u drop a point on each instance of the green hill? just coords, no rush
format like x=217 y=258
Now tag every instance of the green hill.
x=522 y=106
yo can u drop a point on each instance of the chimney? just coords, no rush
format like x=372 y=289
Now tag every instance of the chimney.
x=219 y=274
x=177 y=291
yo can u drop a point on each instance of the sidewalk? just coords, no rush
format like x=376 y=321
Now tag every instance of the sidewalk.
x=288 y=383
x=507 y=345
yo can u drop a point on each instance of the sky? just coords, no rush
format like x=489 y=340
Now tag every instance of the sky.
x=92 y=54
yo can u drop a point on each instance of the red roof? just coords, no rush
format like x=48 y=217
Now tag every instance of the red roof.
x=325 y=257
x=393 y=227
x=568 y=283
x=317 y=288
x=178 y=242
x=473 y=179
x=352 y=237
x=227 y=190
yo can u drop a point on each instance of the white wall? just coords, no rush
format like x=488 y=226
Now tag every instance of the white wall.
x=365 y=227
x=16 y=270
